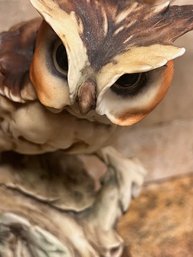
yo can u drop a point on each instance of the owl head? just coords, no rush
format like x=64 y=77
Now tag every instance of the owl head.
x=111 y=57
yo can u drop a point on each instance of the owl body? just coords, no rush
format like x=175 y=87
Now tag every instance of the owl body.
x=67 y=80
x=32 y=129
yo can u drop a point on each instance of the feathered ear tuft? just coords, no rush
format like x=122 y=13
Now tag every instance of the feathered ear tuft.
x=183 y=18
x=161 y=22
x=108 y=29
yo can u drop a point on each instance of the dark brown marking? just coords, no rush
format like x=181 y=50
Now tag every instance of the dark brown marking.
x=16 y=51
x=144 y=23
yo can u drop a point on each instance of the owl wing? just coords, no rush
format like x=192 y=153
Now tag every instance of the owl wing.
x=16 y=51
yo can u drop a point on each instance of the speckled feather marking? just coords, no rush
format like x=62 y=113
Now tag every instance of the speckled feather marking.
x=109 y=28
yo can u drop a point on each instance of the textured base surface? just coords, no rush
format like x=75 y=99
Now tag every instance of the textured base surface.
x=159 y=223
x=50 y=206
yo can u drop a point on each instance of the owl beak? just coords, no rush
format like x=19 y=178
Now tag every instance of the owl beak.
x=87 y=96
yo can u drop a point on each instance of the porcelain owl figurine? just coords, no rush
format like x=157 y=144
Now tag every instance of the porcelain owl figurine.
x=66 y=81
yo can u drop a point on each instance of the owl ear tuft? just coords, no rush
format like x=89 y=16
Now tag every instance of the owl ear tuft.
x=161 y=23
x=182 y=16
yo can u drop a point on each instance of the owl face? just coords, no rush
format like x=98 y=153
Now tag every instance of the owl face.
x=112 y=58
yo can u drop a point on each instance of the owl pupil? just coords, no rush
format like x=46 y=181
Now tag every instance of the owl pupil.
x=61 y=59
x=128 y=80
x=129 y=84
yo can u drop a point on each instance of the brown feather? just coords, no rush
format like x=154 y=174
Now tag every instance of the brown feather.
x=109 y=28
x=16 y=51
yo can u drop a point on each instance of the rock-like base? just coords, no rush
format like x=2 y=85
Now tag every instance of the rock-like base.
x=159 y=222
x=51 y=207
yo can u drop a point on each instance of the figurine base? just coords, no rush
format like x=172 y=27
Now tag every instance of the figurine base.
x=51 y=207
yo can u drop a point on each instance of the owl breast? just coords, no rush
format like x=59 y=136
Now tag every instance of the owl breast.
x=32 y=129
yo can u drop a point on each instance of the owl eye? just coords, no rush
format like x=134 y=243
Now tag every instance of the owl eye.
x=60 y=58
x=130 y=84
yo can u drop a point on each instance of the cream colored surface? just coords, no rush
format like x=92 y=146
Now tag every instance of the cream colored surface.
x=137 y=59
x=32 y=129
x=114 y=106
x=77 y=55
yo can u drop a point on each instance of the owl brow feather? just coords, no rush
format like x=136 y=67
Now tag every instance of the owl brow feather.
x=128 y=24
